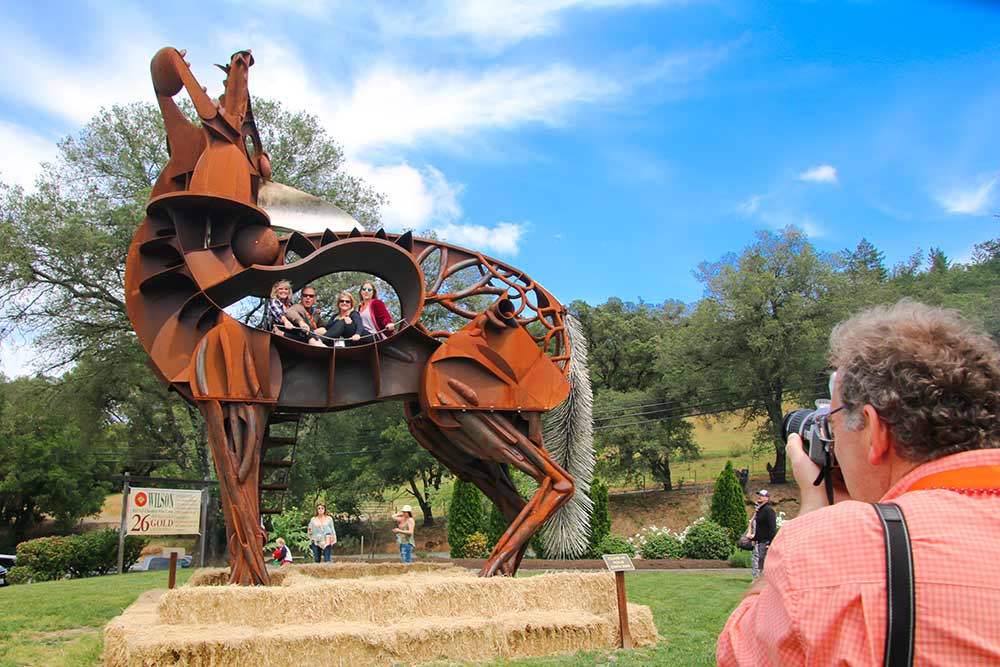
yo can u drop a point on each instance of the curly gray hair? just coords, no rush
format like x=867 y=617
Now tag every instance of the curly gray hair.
x=930 y=375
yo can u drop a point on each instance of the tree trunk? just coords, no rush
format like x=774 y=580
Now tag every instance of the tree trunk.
x=777 y=471
x=425 y=506
x=661 y=472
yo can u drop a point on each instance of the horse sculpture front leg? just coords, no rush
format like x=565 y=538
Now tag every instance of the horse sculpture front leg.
x=235 y=436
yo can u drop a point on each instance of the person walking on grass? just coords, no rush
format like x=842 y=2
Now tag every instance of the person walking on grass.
x=404 y=532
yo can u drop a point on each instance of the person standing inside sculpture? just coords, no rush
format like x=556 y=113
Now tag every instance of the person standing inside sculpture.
x=345 y=326
x=764 y=527
x=404 y=532
x=375 y=316
x=322 y=535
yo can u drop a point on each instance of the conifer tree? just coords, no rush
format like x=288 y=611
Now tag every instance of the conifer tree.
x=465 y=515
x=728 y=503
x=600 y=519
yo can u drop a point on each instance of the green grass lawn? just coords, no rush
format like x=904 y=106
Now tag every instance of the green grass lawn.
x=59 y=623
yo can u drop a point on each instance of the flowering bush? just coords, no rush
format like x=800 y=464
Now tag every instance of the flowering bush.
x=706 y=540
x=701 y=539
x=657 y=542
x=476 y=546
x=615 y=544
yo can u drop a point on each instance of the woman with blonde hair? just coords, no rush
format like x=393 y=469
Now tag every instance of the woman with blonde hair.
x=346 y=324
x=375 y=316
x=283 y=318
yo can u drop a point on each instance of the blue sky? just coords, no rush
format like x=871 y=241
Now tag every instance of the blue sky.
x=606 y=147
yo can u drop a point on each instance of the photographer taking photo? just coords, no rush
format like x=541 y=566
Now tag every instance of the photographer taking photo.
x=913 y=422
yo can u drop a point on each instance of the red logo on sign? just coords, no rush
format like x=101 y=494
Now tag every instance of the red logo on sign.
x=140 y=498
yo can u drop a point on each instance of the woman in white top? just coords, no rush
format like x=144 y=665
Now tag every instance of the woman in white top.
x=322 y=535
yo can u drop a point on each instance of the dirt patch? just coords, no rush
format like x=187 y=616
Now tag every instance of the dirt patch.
x=635 y=510
x=58 y=635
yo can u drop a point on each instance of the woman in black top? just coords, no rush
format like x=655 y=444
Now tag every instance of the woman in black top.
x=346 y=324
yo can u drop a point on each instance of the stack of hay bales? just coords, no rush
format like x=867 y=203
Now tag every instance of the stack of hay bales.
x=374 y=617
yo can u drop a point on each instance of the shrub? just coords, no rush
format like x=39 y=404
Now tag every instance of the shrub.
x=133 y=550
x=465 y=515
x=476 y=546
x=21 y=574
x=47 y=557
x=706 y=540
x=662 y=544
x=496 y=524
x=600 y=520
x=94 y=552
x=728 y=503
x=615 y=544
x=740 y=558
x=292 y=525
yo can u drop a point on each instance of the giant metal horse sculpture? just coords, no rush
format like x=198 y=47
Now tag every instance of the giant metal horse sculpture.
x=473 y=398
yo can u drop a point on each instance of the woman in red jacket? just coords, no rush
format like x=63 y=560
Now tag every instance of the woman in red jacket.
x=375 y=316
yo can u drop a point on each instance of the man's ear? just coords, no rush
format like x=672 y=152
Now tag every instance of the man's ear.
x=879 y=437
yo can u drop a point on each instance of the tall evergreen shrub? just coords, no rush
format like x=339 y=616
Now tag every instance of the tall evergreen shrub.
x=496 y=524
x=728 y=503
x=465 y=516
x=600 y=520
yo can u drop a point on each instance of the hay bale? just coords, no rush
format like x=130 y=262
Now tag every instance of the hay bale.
x=219 y=576
x=412 y=642
x=410 y=618
x=386 y=599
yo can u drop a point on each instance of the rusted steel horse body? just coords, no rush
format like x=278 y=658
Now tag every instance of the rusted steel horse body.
x=473 y=398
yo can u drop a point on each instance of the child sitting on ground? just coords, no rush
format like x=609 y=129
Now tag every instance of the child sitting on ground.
x=282 y=554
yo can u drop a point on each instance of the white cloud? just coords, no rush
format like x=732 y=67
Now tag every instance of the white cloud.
x=502 y=239
x=75 y=85
x=487 y=23
x=424 y=199
x=976 y=200
x=390 y=105
x=823 y=173
x=22 y=154
x=750 y=206
x=418 y=198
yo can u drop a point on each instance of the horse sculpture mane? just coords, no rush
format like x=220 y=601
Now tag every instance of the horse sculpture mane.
x=473 y=397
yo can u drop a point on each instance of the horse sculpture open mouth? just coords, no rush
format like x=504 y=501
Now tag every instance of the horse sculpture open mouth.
x=473 y=397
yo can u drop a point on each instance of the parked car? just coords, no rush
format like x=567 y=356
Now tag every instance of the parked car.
x=159 y=563
x=6 y=562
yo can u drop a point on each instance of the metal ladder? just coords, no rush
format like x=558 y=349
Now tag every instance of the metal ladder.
x=277 y=458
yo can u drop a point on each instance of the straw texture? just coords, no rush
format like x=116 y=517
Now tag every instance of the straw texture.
x=412 y=618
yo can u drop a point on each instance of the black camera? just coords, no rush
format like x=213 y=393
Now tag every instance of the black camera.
x=812 y=425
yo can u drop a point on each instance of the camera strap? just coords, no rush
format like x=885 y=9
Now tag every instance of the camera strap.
x=900 y=607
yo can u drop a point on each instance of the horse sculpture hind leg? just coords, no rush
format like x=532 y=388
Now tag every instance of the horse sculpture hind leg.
x=492 y=478
x=484 y=391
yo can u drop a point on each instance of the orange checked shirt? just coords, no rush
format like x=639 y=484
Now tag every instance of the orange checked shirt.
x=825 y=599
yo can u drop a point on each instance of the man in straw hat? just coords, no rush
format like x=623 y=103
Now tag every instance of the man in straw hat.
x=404 y=532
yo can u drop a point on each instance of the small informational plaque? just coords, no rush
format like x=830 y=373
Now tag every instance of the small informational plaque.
x=618 y=562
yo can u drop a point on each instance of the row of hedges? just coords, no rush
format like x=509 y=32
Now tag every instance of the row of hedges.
x=702 y=540
x=92 y=553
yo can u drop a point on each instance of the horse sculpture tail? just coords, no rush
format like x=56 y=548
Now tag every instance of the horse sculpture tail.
x=569 y=438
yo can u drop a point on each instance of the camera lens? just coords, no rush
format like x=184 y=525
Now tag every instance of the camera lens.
x=797 y=421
